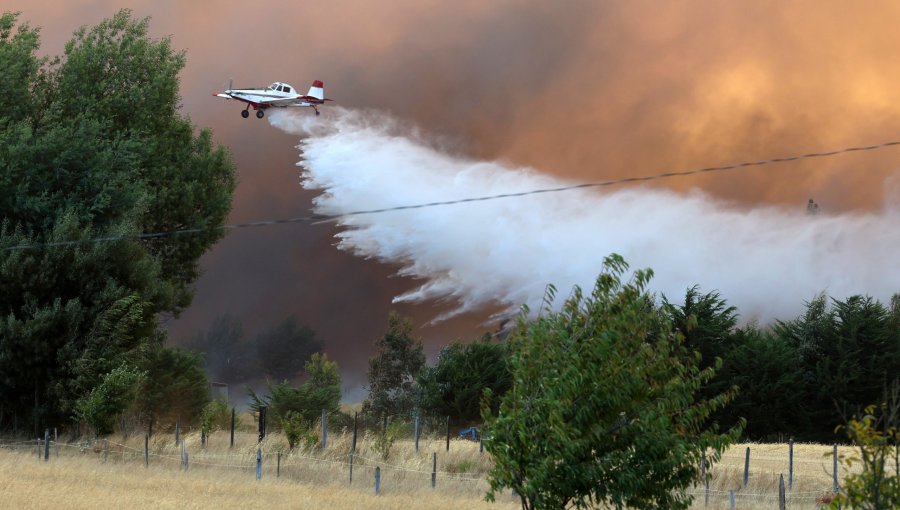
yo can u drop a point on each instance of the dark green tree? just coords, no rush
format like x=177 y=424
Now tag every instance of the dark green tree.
x=705 y=321
x=92 y=146
x=455 y=385
x=847 y=353
x=603 y=409
x=283 y=350
x=393 y=370
x=175 y=387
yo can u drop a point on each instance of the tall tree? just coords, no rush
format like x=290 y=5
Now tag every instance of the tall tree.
x=603 y=410
x=92 y=146
x=392 y=371
x=455 y=385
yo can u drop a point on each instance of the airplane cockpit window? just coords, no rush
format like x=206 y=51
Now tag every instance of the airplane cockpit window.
x=273 y=86
x=287 y=89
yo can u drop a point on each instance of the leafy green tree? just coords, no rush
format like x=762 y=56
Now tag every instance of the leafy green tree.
x=92 y=146
x=109 y=399
x=392 y=371
x=174 y=389
x=283 y=349
x=875 y=435
x=603 y=407
x=455 y=385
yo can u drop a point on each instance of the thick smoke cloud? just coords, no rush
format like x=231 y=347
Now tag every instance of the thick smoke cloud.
x=579 y=89
x=767 y=260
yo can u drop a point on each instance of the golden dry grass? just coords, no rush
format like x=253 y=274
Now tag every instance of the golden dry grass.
x=219 y=477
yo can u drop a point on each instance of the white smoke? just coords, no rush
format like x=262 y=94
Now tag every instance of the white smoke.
x=766 y=261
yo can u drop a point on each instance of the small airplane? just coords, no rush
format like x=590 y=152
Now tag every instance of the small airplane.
x=278 y=94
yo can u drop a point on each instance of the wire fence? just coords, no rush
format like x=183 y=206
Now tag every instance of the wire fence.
x=734 y=480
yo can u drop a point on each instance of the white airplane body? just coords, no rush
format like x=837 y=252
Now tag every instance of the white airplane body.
x=279 y=95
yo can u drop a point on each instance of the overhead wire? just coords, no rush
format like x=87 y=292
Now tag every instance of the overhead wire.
x=325 y=218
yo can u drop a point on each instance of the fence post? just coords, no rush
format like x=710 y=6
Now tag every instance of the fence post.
x=781 y=501
x=731 y=499
x=324 y=430
x=433 y=469
x=46 y=445
x=791 y=464
x=177 y=430
x=353 y=446
x=187 y=459
x=747 y=467
x=259 y=463
x=183 y=454
x=278 y=464
x=351 y=468
x=384 y=430
x=232 y=428
x=448 y=433
x=262 y=423
x=416 y=433
x=835 y=468
x=56 y=441
x=105 y=450
x=481 y=441
x=377 y=480
x=146 y=450
x=705 y=480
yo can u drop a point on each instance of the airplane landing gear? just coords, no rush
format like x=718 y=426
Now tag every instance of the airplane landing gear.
x=245 y=113
x=316 y=109
x=259 y=114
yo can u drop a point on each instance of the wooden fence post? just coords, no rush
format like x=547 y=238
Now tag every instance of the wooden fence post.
x=353 y=446
x=324 y=429
x=416 y=433
x=791 y=464
x=781 y=499
x=448 y=433
x=705 y=474
x=46 y=445
x=56 y=441
x=183 y=454
x=177 y=430
x=259 y=463
x=105 y=450
x=351 y=468
x=278 y=464
x=433 y=469
x=232 y=428
x=262 y=423
x=835 y=468
x=747 y=467
x=731 y=499
x=146 y=450
x=377 y=480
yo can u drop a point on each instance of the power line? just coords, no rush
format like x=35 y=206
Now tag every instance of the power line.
x=323 y=218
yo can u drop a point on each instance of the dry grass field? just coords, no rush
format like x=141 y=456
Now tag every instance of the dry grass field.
x=218 y=477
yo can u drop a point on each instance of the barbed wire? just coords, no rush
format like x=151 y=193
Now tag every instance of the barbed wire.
x=325 y=218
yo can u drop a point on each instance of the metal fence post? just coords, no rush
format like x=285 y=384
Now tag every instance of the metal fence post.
x=433 y=469
x=232 y=428
x=259 y=463
x=377 y=480
x=791 y=464
x=46 y=445
x=747 y=467
x=324 y=429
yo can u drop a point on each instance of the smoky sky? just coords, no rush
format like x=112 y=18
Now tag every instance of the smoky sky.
x=582 y=90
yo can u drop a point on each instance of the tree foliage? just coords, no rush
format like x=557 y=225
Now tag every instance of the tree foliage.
x=288 y=404
x=393 y=370
x=603 y=408
x=876 y=436
x=92 y=146
x=455 y=385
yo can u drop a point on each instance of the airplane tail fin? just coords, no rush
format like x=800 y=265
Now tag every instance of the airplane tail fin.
x=317 y=90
